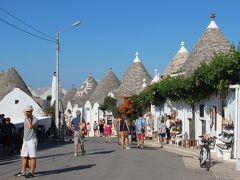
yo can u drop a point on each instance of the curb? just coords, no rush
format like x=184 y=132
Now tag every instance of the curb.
x=173 y=147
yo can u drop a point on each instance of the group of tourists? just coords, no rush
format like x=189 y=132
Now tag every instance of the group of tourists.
x=126 y=130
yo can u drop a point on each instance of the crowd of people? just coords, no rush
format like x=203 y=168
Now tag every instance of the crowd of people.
x=126 y=130
x=79 y=129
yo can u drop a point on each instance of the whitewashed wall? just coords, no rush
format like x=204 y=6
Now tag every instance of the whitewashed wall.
x=88 y=116
x=15 y=111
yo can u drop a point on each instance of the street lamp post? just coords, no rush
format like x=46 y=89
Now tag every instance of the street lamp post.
x=57 y=118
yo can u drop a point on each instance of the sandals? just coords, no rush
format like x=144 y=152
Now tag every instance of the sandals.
x=19 y=174
x=29 y=175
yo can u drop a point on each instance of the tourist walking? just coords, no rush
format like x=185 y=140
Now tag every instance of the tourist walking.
x=140 y=130
x=88 y=128
x=108 y=132
x=29 y=146
x=95 y=128
x=82 y=134
x=75 y=129
x=132 y=133
x=101 y=128
x=124 y=131
x=162 y=132
x=117 y=128
x=168 y=124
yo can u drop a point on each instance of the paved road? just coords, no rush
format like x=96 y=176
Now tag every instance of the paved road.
x=103 y=161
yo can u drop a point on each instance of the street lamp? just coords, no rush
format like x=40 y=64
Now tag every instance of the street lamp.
x=57 y=120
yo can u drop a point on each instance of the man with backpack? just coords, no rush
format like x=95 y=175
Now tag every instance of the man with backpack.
x=140 y=130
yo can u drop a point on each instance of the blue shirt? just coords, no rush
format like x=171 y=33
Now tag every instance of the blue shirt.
x=76 y=122
x=140 y=123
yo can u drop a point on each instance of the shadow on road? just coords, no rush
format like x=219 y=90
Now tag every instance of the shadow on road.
x=101 y=152
x=186 y=156
x=151 y=148
x=63 y=170
x=52 y=155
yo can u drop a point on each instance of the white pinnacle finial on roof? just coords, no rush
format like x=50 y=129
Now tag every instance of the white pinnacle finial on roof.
x=136 y=58
x=182 y=49
x=156 y=77
x=212 y=23
x=144 y=83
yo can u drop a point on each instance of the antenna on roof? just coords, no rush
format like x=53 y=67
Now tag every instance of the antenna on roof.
x=212 y=16
x=212 y=23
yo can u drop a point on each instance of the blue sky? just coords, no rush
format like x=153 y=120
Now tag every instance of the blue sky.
x=110 y=34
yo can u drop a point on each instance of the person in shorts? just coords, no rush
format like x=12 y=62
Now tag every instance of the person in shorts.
x=82 y=134
x=162 y=132
x=29 y=146
x=95 y=128
x=75 y=129
x=124 y=131
x=140 y=124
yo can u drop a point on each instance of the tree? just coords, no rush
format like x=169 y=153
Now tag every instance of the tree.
x=110 y=104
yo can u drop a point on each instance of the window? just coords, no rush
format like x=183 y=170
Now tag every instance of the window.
x=16 y=101
x=201 y=109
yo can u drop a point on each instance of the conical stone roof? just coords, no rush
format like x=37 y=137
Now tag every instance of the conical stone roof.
x=109 y=83
x=133 y=79
x=85 y=91
x=10 y=80
x=177 y=62
x=68 y=96
x=1 y=74
x=211 y=42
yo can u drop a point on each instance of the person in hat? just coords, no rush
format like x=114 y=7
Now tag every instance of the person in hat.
x=29 y=146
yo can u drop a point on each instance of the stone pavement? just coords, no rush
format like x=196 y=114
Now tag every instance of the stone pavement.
x=222 y=170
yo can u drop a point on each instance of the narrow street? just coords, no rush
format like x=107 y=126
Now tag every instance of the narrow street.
x=104 y=161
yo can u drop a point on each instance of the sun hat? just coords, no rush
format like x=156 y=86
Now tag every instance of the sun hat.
x=28 y=108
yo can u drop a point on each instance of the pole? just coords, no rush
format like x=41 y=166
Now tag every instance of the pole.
x=57 y=117
x=237 y=131
x=236 y=126
x=57 y=86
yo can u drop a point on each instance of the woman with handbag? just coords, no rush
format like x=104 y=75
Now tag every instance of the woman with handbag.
x=124 y=131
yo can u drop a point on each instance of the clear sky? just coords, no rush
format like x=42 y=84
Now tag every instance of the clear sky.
x=110 y=34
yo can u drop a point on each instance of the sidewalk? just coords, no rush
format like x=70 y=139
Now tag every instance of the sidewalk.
x=222 y=170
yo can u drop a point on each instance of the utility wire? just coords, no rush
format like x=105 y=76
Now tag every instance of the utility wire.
x=26 y=24
x=27 y=31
